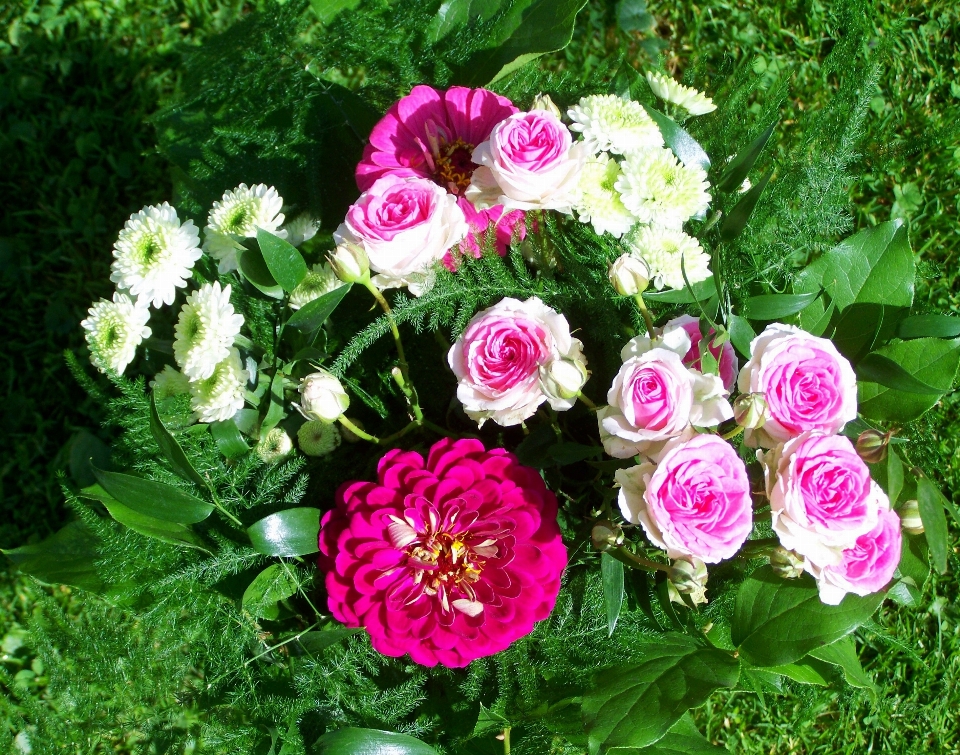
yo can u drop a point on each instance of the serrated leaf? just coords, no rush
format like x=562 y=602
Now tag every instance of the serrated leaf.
x=170 y=448
x=877 y=368
x=353 y=741
x=285 y=263
x=611 y=574
x=843 y=654
x=229 y=439
x=254 y=269
x=269 y=587
x=291 y=532
x=683 y=739
x=315 y=313
x=777 y=621
x=929 y=326
x=66 y=557
x=743 y=163
x=734 y=224
x=934 y=517
x=154 y=499
x=775 y=306
x=806 y=672
x=685 y=147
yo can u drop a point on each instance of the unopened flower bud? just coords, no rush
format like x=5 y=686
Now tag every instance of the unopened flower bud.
x=274 y=446
x=318 y=438
x=543 y=102
x=750 y=410
x=629 y=275
x=322 y=397
x=786 y=564
x=349 y=262
x=910 y=519
x=872 y=445
x=563 y=378
x=606 y=535
x=689 y=577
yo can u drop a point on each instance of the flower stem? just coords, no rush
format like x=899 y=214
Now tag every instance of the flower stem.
x=642 y=306
x=506 y=741
x=219 y=506
x=732 y=434
x=639 y=562
x=586 y=400
x=356 y=430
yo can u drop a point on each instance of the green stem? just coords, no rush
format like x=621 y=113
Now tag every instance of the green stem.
x=506 y=741
x=269 y=650
x=733 y=433
x=642 y=306
x=219 y=506
x=356 y=430
x=586 y=400
x=632 y=559
x=299 y=588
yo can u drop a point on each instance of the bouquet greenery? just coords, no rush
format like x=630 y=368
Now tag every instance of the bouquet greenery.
x=627 y=426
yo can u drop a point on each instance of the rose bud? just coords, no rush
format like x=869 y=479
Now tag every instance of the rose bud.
x=606 y=535
x=543 y=102
x=322 y=397
x=910 y=520
x=629 y=275
x=750 y=410
x=688 y=577
x=349 y=262
x=786 y=564
x=562 y=379
x=872 y=445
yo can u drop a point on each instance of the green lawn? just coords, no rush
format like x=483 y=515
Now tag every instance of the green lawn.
x=78 y=82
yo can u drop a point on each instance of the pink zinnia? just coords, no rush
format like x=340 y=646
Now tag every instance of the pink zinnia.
x=432 y=134
x=446 y=560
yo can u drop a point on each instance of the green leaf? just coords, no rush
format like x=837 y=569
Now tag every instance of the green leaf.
x=876 y=368
x=352 y=741
x=894 y=476
x=228 y=438
x=930 y=360
x=684 y=146
x=683 y=739
x=632 y=15
x=843 y=654
x=700 y=292
x=275 y=411
x=316 y=642
x=929 y=326
x=778 y=621
x=327 y=10
x=86 y=450
x=254 y=269
x=934 y=518
x=269 y=587
x=805 y=672
x=66 y=557
x=489 y=720
x=741 y=334
x=315 y=313
x=733 y=225
x=874 y=266
x=859 y=327
x=291 y=532
x=743 y=163
x=154 y=499
x=776 y=306
x=634 y=705
x=284 y=262
x=914 y=562
x=611 y=572
x=521 y=32
x=171 y=448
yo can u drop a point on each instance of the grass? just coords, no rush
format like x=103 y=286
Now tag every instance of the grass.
x=78 y=81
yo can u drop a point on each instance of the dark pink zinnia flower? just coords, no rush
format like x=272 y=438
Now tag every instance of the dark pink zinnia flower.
x=448 y=560
x=432 y=134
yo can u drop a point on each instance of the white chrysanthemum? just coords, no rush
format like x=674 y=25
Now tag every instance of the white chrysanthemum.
x=238 y=215
x=663 y=249
x=168 y=382
x=154 y=254
x=318 y=438
x=608 y=123
x=301 y=228
x=318 y=281
x=205 y=331
x=114 y=330
x=274 y=446
x=657 y=188
x=670 y=90
x=598 y=201
x=218 y=397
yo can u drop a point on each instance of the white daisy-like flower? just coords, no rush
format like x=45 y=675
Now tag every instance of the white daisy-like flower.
x=114 y=330
x=168 y=382
x=317 y=438
x=664 y=250
x=301 y=228
x=205 y=331
x=670 y=90
x=319 y=280
x=657 y=188
x=237 y=216
x=219 y=396
x=608 y=123
x=274 y=446
x=598 y=201
x=154 y=254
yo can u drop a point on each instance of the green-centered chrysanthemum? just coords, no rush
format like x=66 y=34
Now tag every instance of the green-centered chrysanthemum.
x=168 y=382
x=608 y=123
x=657 y=188
x=274 y=446
x=114 y=330
x=154 y=254
x=598 y=201
x=665 y=250
x=319 y=280
x=318 y=438
x=670 y=90
x=205 y=331
x=301 y=228
x=220 y=396
x=238 y=215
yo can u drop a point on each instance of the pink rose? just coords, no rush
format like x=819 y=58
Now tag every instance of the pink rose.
x=867 y=566
x=529 y=163
x=725 y=355
x=807 y=383
x=821 y=496
x=694 y=502
x=405 y=225
x=501 y=356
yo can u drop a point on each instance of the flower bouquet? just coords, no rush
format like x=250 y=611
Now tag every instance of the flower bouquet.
x=532 y=439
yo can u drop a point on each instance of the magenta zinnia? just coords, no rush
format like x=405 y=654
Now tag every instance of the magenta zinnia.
x=446 y=560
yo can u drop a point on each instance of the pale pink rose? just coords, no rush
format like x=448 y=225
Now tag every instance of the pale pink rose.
x=821 y=496
x=867 y=566
x=655 y=397
x=694 y=502
x=725 y=355
x=405 y=225
x=529 y=163
x=807 y=383
x=501 y=356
